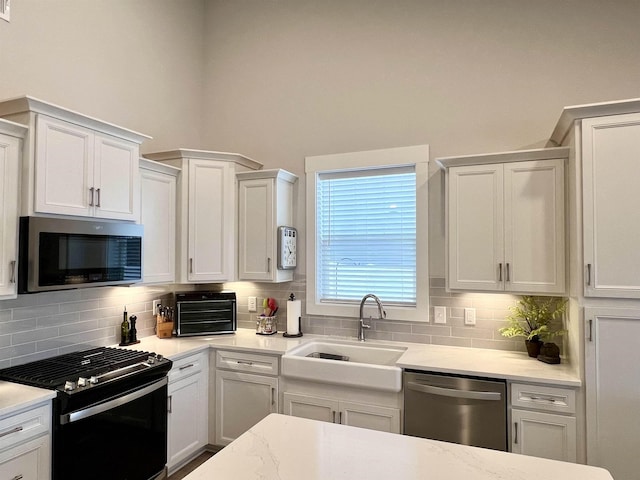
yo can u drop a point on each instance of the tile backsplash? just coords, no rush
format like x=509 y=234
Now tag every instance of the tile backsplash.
x=45 y=324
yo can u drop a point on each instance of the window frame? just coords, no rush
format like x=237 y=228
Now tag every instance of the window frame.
x=417 y=156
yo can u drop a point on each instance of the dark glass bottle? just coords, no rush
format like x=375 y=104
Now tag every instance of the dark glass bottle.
x=124 y=329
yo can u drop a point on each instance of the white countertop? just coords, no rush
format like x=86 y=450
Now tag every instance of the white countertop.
x=515 y=366
x=290 y=448
x=15 y=397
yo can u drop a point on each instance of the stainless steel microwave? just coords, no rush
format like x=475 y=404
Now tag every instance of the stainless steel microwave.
x=60 y=254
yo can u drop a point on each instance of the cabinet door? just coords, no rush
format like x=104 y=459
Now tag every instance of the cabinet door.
x=242 y=400
x=372 y=417
x=116 y=178
x=611 y=217
x=534 y=226
x=211 y=236
x=612 y=385
x=63 y=168
x=9 y=151
x=475 y=216
x=256 y=230
x=543 y=435
x=314 y=408
x=187 y=418
x=158 y=215
x=28 y=461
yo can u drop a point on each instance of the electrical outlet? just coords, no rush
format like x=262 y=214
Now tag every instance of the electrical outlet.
x=253 y=304
x=439 y=314
x=469 y=316
x=155 y=307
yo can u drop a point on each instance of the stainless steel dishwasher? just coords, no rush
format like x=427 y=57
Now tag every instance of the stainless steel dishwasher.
x=465 y=410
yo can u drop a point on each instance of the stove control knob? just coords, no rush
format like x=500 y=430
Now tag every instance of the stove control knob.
x=69 y=386
x=93 y=380
x=82 y=382
x=159 y=357
x=151 y=360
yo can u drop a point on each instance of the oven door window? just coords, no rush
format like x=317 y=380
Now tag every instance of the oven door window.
x=127 y=442
x=67 y=259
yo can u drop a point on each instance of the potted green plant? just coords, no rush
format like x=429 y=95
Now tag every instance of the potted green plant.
x=532 y=319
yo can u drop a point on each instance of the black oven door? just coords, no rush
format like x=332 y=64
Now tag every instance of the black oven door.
x=123 y=438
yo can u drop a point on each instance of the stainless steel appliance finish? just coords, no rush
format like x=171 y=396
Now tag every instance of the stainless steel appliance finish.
x=464 y=410
x=59 y=254
x=109 y=415
x=205 y=313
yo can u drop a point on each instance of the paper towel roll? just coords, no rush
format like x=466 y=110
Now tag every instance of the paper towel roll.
x=294 y=311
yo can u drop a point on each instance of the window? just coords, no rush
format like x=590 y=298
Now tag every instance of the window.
x=367 y=232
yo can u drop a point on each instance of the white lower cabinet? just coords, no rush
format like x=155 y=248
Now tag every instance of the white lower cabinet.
x=243 y=399
x=187 y=409
x=25 y=444
x=543 y=422
x=362 y=415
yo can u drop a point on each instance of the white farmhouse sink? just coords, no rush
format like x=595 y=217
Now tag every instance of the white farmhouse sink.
x=369 y=365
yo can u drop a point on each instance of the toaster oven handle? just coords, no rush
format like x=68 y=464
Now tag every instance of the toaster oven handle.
x=112 y=403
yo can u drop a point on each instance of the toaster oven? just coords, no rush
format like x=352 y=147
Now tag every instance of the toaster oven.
x=205 y=313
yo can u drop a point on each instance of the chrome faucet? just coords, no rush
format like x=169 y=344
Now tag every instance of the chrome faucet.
x=381 y=314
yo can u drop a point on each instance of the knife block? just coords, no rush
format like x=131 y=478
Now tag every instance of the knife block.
x=164 y=329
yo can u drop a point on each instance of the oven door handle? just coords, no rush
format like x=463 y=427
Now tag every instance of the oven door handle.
x=116 y=402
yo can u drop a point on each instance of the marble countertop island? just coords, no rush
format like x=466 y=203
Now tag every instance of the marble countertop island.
x=290 y=448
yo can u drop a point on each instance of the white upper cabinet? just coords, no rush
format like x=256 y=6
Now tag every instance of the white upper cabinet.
x=505 y=221
x=265 y=202
x=76 y=165
x=158 y=183
x=611 y=217
x=10 y=150
x=206 y=212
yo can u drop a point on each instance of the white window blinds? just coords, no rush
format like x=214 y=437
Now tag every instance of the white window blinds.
x=366 y=227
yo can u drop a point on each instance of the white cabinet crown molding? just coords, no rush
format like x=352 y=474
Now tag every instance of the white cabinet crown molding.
x=13 y=129
x=204 y=155
x=27 y=104
x=504 y=157
x=577 y=112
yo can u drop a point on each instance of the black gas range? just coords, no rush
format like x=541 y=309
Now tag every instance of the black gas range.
x=109 y=414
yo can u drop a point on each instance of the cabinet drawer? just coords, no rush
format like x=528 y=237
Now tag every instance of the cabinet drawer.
x=28 y=461
x=187 y=366
x=247 y=362
x=537 y=397
x=23 y=426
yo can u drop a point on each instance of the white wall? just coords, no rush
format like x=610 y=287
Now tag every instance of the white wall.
x=136 y=63
x=293 y=78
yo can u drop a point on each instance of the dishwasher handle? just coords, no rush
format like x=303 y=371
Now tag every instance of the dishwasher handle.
x=452 y=392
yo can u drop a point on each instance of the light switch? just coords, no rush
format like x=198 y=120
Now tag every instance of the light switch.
x=439 y=314
x=469 y=316
x=253 y=304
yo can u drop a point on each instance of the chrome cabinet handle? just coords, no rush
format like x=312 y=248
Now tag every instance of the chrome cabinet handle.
x=334 y=416
x=507 y=274
x=591 y=330
x=98 y=195
x=169 y=403
x=515 y=438
x=588 y=274
x=12 y=279
x=92 y=190
x=273 y=396
x=268 y=264
x=18 y=477
x=340 y=417
x=244 y=362
x=499 y=272
x=191 y=265
x=186 y=366
x=9 y=432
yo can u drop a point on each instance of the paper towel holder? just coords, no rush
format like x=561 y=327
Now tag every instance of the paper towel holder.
x=294 y=335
